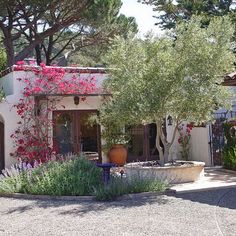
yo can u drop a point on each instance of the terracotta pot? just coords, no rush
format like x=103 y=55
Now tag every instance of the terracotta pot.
x=118 y=154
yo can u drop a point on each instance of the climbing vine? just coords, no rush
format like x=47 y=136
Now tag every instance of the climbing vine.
x=43 y=88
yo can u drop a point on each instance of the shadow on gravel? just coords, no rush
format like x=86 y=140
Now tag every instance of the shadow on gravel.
x=225 y=198
x=83 y=207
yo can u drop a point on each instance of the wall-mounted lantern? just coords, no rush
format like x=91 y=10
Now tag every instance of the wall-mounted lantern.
x=76 y=100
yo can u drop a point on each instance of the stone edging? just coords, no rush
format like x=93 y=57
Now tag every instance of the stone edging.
x=83 y=198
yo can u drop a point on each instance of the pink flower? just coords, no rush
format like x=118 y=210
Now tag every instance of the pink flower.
x=42 y=64
x=20 y=63
x=37 y=89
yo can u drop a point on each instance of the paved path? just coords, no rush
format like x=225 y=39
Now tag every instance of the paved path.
x=214 y=178
x=197 y=213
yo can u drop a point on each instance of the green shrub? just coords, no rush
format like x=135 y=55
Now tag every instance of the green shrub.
x=12 y=180
x=72 y=177
x=229 y=151
x=118 y=187
x=229 y=157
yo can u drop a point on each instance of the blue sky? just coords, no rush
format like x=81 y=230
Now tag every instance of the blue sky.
x=142 y=13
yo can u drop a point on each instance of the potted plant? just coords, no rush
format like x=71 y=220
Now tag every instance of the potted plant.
x=115 y=144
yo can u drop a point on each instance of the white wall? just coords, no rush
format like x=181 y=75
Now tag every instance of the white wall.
x=199 y=145
x=8 y=113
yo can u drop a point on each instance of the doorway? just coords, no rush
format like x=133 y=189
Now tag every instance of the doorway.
x=142 y=145
x=2 y=158
x=72 y=132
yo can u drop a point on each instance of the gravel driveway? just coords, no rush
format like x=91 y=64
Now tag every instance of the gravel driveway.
x=201 y=213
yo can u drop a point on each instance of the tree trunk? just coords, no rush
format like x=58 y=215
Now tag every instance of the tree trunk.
x=48 y=52
x=158 y=144
x=164 y=154
x=8 y=43
x=167 y=152
x=38 y=54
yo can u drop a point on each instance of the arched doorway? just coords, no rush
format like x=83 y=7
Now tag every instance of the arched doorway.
x=2 y=158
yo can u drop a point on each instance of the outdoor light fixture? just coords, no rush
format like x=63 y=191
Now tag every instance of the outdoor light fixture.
x=76 y=100
x=170 y=120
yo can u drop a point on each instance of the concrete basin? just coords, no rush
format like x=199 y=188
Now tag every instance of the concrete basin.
x=182 y=172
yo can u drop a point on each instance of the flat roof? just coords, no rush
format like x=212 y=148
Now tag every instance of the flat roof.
x=68 y=69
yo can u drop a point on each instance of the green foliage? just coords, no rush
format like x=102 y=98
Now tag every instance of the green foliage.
x=155 y=78
x=229 y=157
x=177 y=76
x=3 y=59
x=42 y=32
x=229 y=134
x=229 y=151
x=72 y=177
x=118 y=187
x=171 y=12
x=12 y=184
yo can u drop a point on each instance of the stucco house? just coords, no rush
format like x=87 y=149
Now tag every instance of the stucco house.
x=70 y=130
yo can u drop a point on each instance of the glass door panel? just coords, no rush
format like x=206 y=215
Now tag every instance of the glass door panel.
x=64 y=132
x=88 y=133
x=135 y=146
x=152 y=132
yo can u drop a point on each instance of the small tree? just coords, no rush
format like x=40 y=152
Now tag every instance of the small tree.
x=178 y=76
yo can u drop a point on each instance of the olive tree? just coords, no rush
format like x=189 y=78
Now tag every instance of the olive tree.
x=154 y=78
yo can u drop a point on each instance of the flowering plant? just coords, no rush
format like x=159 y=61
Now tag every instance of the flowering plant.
x=184 y=139
x=33 y=136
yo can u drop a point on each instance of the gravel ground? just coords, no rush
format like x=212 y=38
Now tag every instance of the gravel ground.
x=200 y=213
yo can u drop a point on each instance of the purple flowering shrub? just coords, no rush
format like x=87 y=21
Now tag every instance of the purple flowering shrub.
x=67 y=176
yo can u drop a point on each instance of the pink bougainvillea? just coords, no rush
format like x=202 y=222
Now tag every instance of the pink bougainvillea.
x=184 y=139
x=32 y=137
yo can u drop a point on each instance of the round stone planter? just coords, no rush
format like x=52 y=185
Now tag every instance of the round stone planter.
x=190 y=171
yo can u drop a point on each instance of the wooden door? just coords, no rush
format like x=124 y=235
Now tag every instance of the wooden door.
x=2 y=159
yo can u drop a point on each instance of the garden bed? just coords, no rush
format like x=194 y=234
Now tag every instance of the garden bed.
x=173 y=172
x=74 y=177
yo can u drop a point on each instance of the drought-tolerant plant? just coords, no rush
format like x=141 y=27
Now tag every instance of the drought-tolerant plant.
x=120 y=186
x=73 y=177
x=69 y=177
x=13 y=179
x=172 y=76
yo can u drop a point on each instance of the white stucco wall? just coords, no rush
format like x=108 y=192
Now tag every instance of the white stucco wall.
x=199 y=145
x=8 y=112
x=14 y=90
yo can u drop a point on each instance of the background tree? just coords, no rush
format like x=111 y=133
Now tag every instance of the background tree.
x=38 y=26
x=172 y=11
x=2 y=59
x=178 y=76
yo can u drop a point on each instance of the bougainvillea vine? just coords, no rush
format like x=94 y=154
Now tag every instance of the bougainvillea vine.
x=43 y=89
